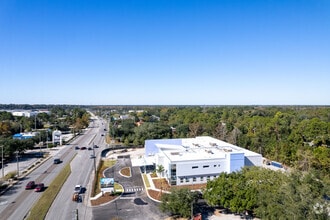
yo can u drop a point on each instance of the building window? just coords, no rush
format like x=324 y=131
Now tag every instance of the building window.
x=173 y=174
x=181 y=180
x=202 y=178
x=194 y=179
x=215 y=166
x=206 y=166
x=208 y=178
x=195 y=167
x=187 y=180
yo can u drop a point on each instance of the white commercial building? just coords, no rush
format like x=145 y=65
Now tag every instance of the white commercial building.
x=197 y=160
x=24 y=113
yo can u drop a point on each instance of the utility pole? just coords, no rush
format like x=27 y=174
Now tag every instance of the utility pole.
x=16 y=152
x=2 y=165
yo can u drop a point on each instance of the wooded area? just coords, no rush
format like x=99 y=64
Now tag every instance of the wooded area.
x=297 y=136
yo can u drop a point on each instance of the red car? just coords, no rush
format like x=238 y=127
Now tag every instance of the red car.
x=39 y=187
x=30 y=185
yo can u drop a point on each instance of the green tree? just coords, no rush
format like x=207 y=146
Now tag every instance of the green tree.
x=178 y=202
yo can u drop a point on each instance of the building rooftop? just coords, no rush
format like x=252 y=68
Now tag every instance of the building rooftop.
x=201 y=148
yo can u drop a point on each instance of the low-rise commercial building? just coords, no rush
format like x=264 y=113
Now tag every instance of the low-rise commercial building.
x=197 y=160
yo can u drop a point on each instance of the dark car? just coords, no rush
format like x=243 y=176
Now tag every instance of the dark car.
x=95 y=146
x=83 y=148
x=39 y=187
x=57 y=161
x=76 y=148
x=92 y=156
x=90 y=148
x=30 y=185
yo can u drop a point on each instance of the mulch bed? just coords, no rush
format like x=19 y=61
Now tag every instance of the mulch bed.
x=155 y=194
x=126 y=172
x=162 y=183
x=107 y=197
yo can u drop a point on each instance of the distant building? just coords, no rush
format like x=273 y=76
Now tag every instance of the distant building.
x=24 y=113
x=28 y=113
x=197 y=160
x=125 y=117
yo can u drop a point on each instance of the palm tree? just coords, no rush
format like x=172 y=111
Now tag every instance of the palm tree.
x=160 y=169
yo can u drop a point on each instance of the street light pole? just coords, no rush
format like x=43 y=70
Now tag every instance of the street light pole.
x=47 y=138
x=94 y=157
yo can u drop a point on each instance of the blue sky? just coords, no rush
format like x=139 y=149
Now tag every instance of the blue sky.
x=165 y=52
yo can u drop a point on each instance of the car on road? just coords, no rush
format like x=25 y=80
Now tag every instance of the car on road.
x=39 y=187
x=77 y=189
x=83 y=148
x=30 y=185
x=57 y=161
x=76 y=148
x=89 y=148
x=95 y=146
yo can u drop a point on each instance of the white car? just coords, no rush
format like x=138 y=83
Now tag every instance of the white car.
x=77 y=189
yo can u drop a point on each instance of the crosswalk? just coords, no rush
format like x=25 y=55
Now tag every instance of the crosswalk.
x=133 y=189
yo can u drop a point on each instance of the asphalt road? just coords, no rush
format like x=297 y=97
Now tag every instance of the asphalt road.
x=82 y=171
x=134 y=204
x=16 y=202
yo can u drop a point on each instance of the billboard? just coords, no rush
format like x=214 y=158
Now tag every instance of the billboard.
x=107 y=184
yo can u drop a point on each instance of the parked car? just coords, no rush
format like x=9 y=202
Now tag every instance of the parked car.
x=39 y=187
x=30 y=185
x=77 y=189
